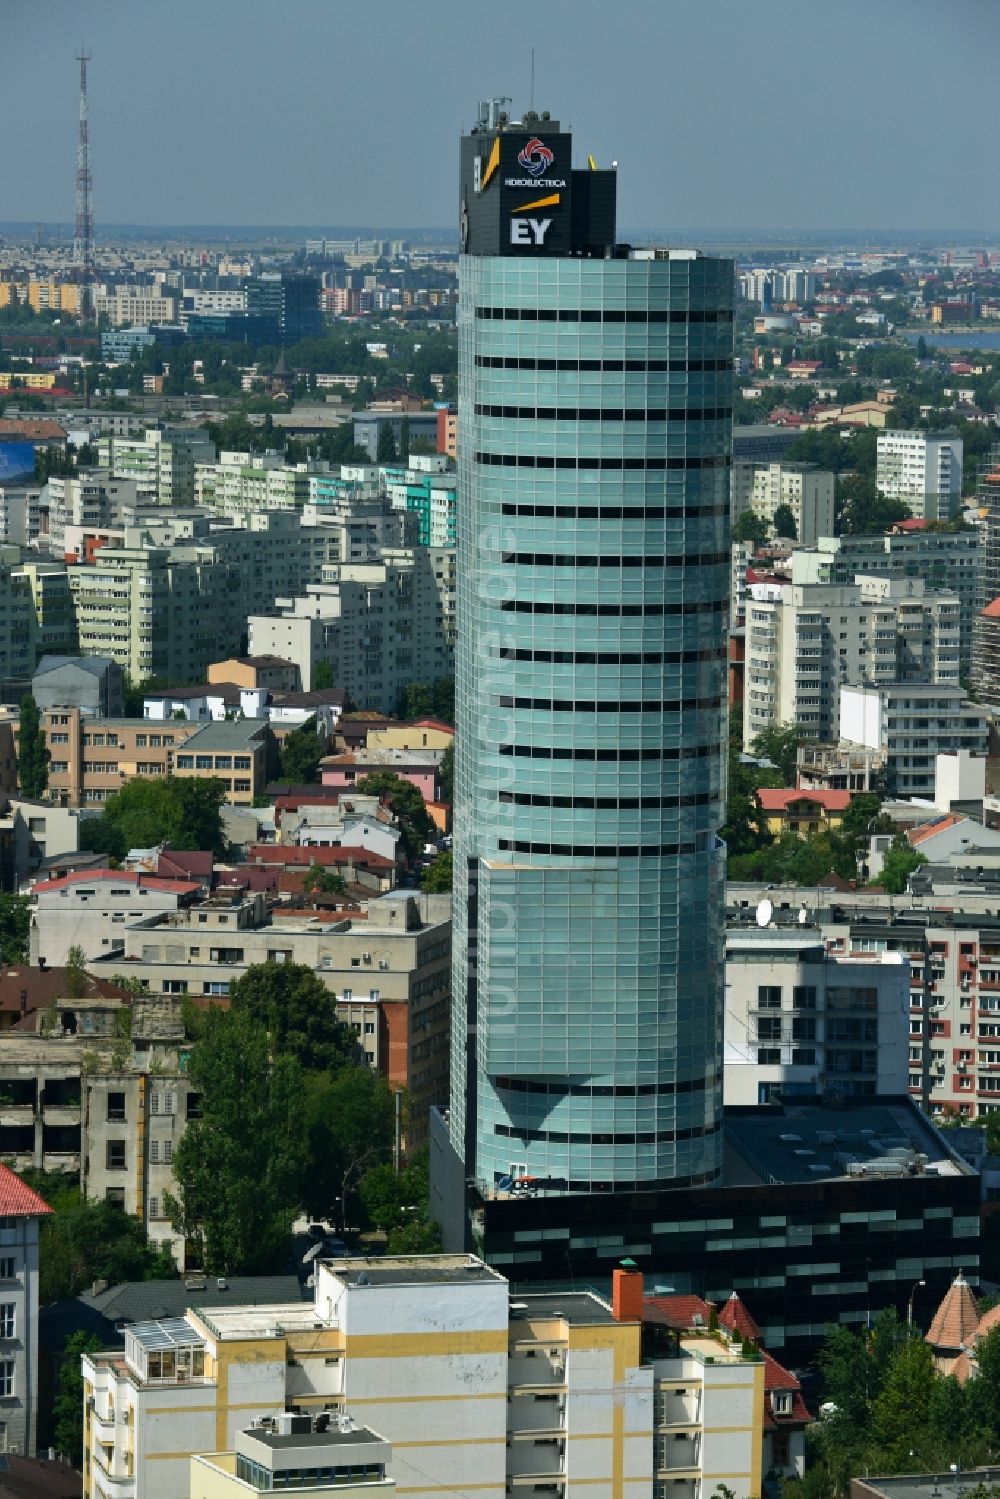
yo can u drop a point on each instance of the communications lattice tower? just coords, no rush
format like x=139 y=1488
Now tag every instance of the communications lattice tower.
x=83 y=235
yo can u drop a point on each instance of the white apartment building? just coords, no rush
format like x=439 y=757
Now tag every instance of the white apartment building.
x=923 y=470
x=162 y=463
x=555 y=1391
x=948 y=562
x=954 y=978
x=380 y=625
x=93 y=501
x=20 y=514
x=91 y=909
x=806 y=641
x=805 y=489
x=801 y=1022
x=913 y=723
x=206 y=302
x=242 y=482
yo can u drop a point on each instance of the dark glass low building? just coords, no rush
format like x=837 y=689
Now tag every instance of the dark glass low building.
x=826 y=1214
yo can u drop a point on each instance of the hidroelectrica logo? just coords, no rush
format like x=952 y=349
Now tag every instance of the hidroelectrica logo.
x=535 y=157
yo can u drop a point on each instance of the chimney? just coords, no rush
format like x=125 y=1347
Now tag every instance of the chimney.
x=626 y=1293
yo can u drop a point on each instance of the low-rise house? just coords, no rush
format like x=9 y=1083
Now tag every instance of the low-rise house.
x=371 y=870
x=789 y=810
x=418 y=766
x=241 y=754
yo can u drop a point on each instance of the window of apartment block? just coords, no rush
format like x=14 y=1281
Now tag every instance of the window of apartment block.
x=6 y=1378
x=770 y=1056
x=116 y=1107
x=769 y=997
x=115 y=1155
x=194 y=1106
x=804 y=997
x=8 y=1267
x=116 y=1197
x=154 y=1207
x=7 y=1319
x=769 y=1029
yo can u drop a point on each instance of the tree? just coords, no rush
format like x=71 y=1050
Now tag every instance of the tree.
x=385 y=452
x=76 y=973
x=80 y=1241
x=750 y=527
x=32 y=755
x=437 y=877
x=67 y=1407
x=446 y=773
x=444 y=699
x=417 y=701
x=297 y=1012
x=779 y=743
x=406 y=804
x=907 y=1390
x=301 y=753
x=349 y=1125
x=320 y=881
x=239 y=1168
x=784 y=523
x=322 y=677
x=15 y=925
x=181 y=811
x=899 y=863
x=404 y=440
x=921 y=347
x=862 y=511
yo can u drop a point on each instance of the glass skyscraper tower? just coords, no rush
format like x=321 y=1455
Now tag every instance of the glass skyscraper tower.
x=594 y=419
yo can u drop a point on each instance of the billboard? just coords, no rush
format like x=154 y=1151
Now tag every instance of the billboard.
x=17 y=461
x=517 y=192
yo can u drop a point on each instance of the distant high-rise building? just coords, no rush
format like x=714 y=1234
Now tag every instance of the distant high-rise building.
x=291 y=301
x=595 y=392
x=923 y=470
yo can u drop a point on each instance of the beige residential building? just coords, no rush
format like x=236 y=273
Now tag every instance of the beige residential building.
x=129 y=307
x=806 y=641
x=807 y=491
x=93 y=757
x=559 y=1391
x=379 y=625
x=162 y=463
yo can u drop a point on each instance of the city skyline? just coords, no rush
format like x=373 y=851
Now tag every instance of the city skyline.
x=804 y=124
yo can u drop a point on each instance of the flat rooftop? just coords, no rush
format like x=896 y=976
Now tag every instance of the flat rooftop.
x=334 y=1437
x=414 y=1270
x=804 y=1142
x=259 y=1321
x=577 y=1307
x=929 y=1485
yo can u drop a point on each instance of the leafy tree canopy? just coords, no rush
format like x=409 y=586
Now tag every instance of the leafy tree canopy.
x=784 y=523
x=296 y=1011
x=15 y=925
x=181 y=811
x=406 y=804
x=32 y=755
x=437 y=877
x=301 y=753
x=751 y=527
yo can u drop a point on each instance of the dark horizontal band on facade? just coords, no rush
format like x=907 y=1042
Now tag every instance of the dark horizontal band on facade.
x=610 y=704
x=571 y=559
x=577 y=1137
x=625 y=366
x=609 y=803
x=609 y=611
x=607 y=414
x=605 y=314
x=597 y=851
x=613 y=658
x=545 y=460
x=603 y=1090
x=616 y=512
x=610 y=756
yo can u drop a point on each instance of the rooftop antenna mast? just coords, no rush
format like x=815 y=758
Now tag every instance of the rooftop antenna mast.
x=532 y=95
x=83 y=235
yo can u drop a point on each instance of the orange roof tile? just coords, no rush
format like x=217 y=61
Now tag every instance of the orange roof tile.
x=736 y=1318
x=992 y=611
x=17 y=1200
x=931 y=829
x=956 y=1319
x=778 y=798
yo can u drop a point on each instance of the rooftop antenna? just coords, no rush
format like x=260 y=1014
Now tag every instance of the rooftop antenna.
x=532 y=93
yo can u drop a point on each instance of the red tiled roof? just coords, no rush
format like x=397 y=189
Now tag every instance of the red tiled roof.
x=735 y=1316
x=956 y=1319
x=120 y=877
x=913 y=524
x=676 y=1311
x=431 y=723
x=776 y=1377
x=291 y=855
x=44 y=986
x=778 y=798
x=17 y=1200
x=931 y=829
x=186 y=862
x=992 y=611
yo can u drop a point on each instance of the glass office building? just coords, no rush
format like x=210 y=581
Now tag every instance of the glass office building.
x=594 y=419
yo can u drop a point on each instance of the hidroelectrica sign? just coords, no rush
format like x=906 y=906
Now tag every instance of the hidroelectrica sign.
x=516 y=194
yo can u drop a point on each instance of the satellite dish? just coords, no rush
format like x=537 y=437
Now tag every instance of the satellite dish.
x=803 y=916
x=765 y=911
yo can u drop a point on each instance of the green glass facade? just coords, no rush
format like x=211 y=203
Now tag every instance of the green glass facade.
x=594 y=424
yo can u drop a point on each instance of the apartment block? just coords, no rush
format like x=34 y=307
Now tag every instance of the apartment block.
x=126 y=306
x=93 y=757
x=947 y=561
x=912 y=723
x=428 y=490
x=21 y=1214
x=18 y=621
x=162 y=463
x=293 y=1451
x=52 y=601
x=802 y=1022
x=542 y=1391
x=242 y=482
x=91 y=909
x=923 y=470
x=806 y=641
x=241 y=753
x=84 y=506
x=379 y=625
x=805 y=489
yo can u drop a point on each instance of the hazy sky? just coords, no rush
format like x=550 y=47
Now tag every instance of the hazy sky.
x=858 y=114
